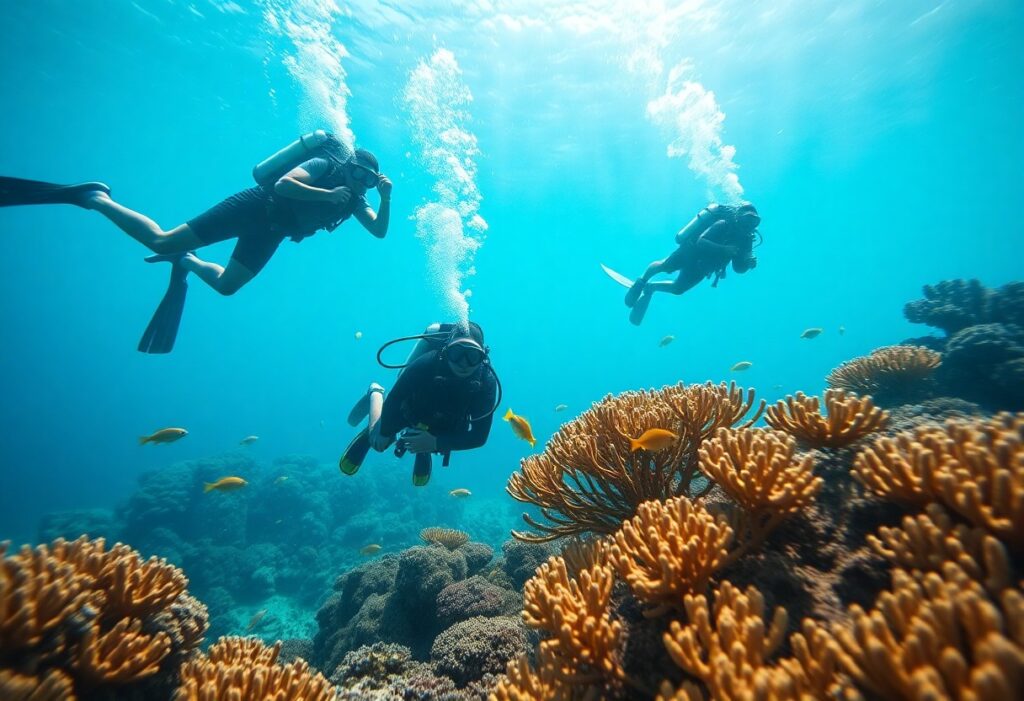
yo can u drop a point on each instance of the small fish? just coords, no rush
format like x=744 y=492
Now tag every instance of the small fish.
x=653 y=440
x=370 y=549
x=249 y=440
x=742 y=365
x=255 y=620
x=278 y=522
x=224 y=484
x=561 y=407
x=842 y=330
x=359 y=334
x=460 y=492
x=665 y=341
x=281 y=480
x=520 y=427
x=811 y=333
x=164 y=435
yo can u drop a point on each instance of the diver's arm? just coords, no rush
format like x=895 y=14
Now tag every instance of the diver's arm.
x=295 y=185
x=377 y=222
x=707 y=246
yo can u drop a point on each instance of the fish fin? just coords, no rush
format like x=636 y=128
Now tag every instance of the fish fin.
x=143 y=440
x=634 y=445
x=508 y=415
x=208 y=487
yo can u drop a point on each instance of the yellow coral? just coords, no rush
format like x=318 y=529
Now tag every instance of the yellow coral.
x=243 y=670
x=850 y=418
x=574 y=611
x=122 y=654
x=888 y=368
x=55 y=686
x=669 y=550
x=583 y=553
x=937 y=638
x=522 y=683
x=588 y=479
x=975 y=468
x=448 y=537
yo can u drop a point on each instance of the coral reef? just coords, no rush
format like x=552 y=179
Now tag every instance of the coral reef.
x=447 y=537
x=589 y=479
x=849 y=418
x=478 y=646
x=892 y=375
x=475 y=596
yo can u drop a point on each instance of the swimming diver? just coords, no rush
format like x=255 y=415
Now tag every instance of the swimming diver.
x=443 y=400
x=718 y=235
x=315 y=183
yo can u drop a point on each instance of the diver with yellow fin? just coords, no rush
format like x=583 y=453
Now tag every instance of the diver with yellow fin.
x=314 y=183
x=443 y=400
x=720 y=234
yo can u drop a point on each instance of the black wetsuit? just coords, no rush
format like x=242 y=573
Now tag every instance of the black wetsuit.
x=456 y=411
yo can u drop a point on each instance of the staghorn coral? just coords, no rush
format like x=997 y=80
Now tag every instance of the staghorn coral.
x=583 y=553
x=121 y=655
x=589 y=480
x=522 y=683
x=974 y=468
x=448 y=537
x=891 y=375
x=937 y=638
x=669 y=550
x=929 y=540
x=850 y=418
x=574 y=612
x=758 y=470
x=55 y=686
x=246 y=670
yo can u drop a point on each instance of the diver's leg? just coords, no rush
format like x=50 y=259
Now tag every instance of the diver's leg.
x=375 y=395
x=226 y=281
x=143 y=229
x=686 y=280
x=634 y=292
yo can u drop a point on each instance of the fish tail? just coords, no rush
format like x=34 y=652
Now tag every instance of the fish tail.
x=209 y=487
x=143 y=440
x=508 y=414
x=634 y=445
x=533 y=442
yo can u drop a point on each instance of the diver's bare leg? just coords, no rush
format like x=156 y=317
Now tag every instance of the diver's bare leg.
x=226 y=281
x=143 y=229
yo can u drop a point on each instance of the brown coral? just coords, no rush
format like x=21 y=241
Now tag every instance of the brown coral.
x=244 y=670
x=669 y=550
x=448 y=537
x=886 y=370
x=974 y=468
x=759 y=471
x=850 y=418
x=574 y=612
x=121 y=655
x=937 y=638
x=55 y=686
x=589 y=480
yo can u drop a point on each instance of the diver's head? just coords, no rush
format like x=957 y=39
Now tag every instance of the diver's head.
x=363 y=171
x=747 y=217
x=464 y=350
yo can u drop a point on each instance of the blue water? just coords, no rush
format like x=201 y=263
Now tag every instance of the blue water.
x=880 y=142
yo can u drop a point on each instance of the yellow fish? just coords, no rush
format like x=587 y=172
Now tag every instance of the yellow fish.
x=370 y=549
x=249 y=440
x=561 y=407
x=281 y=480
x=520 y=427
x=665 y=341
x=255 y=620
x=225 y=484
x=653 y=440
x=164 y=435
x=742 y=365
x=811 y=333
x=460 y=492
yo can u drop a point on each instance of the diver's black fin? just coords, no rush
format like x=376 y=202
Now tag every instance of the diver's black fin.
x=18 y=191
x=355 y=453
x=159 y=336
x=421 y=469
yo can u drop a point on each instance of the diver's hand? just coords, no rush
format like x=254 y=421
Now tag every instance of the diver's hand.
x=339 y=195
x=420 y=442
x=381 y=442
x=384 y=187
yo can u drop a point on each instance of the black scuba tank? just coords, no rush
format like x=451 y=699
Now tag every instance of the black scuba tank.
x=316 y=144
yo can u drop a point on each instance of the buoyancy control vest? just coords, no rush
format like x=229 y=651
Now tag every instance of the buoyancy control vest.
x=302 y=218
x=710 y=215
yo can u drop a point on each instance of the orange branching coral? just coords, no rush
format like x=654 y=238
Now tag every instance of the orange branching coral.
x=55 y=686
x=937 y=638
x=929 y=540
x=885 y=369
x=574 y=611
x=588 y=479
x=974 y=468
x=448 y=537
x=522 y=683
x=122 y=654
x=583 y=553
x=669 y=550
x=758 y=469
x=850 y=418
x=247 y=671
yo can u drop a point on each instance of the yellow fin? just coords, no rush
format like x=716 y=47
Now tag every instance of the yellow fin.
x=209 y=487
x=508 y=414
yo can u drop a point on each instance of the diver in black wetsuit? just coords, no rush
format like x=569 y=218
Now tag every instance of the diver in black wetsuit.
x=718 y=235
x=443 y=401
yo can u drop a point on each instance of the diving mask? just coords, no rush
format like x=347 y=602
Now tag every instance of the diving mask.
x=363 y=175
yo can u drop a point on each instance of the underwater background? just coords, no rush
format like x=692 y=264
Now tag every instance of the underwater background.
x=528 y=142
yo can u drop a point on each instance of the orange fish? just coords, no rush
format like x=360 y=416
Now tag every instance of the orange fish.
x=653 y=440
x=164 y=435
x=224 y=484
x=520 y=427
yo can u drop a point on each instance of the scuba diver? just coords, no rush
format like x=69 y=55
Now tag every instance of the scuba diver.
x=718 y=235
x=443 y=400
x=315 y=183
